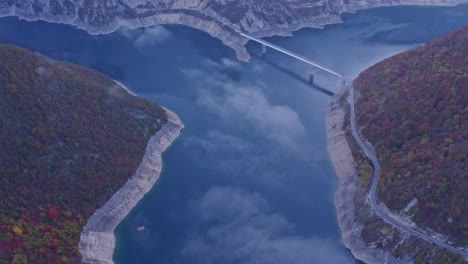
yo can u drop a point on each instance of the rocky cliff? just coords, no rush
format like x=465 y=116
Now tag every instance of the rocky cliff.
x=220 y=18
x=97 y=241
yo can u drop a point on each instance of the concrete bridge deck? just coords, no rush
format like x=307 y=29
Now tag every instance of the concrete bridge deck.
x=291 y=54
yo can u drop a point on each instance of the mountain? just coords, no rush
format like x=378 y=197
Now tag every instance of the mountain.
x=411 y=112
x=413 y=109
x=220 y=18
x=69 y=137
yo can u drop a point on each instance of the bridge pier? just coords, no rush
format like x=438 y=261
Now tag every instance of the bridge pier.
x=264 y=50
x=311 y=78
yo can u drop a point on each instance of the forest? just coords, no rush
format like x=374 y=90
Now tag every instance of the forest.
x=412 y=108
x=69 y=138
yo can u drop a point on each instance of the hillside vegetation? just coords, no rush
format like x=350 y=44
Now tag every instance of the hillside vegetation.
x=69 y=138
x=413 y=109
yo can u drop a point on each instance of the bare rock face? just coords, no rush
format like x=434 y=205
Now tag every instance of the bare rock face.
x=220 y=18
x=97 y=242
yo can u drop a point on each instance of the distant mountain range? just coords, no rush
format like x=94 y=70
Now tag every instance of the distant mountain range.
x=220 y=18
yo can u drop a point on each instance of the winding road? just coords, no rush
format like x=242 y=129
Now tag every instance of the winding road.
x=370 y=155
x=375 y=180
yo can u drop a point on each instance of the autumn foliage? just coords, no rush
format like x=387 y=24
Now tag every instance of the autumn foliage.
x=413 y=109
x=69 y=138
x=53 y=213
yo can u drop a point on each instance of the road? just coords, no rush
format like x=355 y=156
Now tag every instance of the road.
x=290 y=53
x=375 y=180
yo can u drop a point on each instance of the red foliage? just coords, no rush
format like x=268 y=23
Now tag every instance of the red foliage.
x=62 y=143
x=53 y=213
x=419 y=130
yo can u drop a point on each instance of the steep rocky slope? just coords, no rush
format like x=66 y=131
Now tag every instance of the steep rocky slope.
x=219 y=18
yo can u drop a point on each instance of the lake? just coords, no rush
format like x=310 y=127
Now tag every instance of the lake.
x=249 y=180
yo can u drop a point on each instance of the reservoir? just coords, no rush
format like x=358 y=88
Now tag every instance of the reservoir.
x=249 y=179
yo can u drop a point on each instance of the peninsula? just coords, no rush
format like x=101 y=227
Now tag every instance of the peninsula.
x=71 y=137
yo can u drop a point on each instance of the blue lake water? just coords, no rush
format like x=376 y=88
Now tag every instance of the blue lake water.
x=249 y=180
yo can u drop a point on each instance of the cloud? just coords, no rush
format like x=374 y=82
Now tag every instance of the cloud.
x=127 y=32
x=235 y=226
x=252 y=134
x=152 y=36
x=215 y=142
x=255 y=160
x=146 y=37
x=247 y=102
x=228 y=63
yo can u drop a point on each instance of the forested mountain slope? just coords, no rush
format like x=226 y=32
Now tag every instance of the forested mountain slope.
x=69 y=138
x=413 y=108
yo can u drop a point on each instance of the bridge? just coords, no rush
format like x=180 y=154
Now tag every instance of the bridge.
x=372 y=194
x=291 y=54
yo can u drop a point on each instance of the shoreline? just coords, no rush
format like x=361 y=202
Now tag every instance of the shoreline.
x=125 y=88
x=97 y=241
x=219 y=27
x=342 y=159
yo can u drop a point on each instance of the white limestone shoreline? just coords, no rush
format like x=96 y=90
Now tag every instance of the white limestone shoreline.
x=125 y=88
x=219 y=27
x=97 y=242
x=342 y=159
